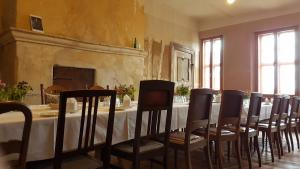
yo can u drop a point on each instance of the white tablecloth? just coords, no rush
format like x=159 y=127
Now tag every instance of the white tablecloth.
x=43 y=131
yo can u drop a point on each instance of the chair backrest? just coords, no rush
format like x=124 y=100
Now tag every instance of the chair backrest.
x=97 y=87
x=254 y=111
x=284 y=109
x=51 y=90
x=295 y=102
x=230 y=111
x=199 y=111
x=17 y=146
x=90 y=100
x=274 y=116
x=155 y=96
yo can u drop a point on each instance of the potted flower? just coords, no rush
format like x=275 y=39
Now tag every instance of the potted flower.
x=14 y=93
x=182 y=92
x=3 y=95
x=246 y=98
x=123 y=90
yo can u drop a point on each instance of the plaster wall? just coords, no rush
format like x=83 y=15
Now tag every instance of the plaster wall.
x=114 y=22
x=165 y=24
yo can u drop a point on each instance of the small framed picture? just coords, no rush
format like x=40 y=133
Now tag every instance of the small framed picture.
x=36 y=23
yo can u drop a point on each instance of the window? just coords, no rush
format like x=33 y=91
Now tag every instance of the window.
x=212 y=63
x=276 y=62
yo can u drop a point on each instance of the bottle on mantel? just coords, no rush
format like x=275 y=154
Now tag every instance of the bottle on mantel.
x=135 y=43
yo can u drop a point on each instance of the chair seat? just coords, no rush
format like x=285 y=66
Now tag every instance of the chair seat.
x=264 y=125
x=213 y=131
x=243 y=130
x=179 y=138
x=146 y=145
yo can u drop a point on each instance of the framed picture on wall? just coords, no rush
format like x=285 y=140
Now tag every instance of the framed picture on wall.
x=36 y=23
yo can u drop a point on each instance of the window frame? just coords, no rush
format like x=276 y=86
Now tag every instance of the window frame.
x=276 y=64
x=211 y=39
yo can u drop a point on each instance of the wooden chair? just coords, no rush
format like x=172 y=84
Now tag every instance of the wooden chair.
x=97 y=87
x=283 y=122
x=250 y=130
x=17 y=146
x=196 y=133
x=90 y=100
x=269 y=127
x=294 y=120
x=228 y=128
x=154 y=97
x=51 y=90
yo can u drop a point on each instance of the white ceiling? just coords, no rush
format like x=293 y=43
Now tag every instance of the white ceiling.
x=208 y=12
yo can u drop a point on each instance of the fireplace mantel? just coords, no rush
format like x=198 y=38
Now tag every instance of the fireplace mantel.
x=30 y=56
x=15 y=34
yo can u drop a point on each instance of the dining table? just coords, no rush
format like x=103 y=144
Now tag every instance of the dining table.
x=44 y=123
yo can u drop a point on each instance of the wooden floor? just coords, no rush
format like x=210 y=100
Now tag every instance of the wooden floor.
x=288 y=161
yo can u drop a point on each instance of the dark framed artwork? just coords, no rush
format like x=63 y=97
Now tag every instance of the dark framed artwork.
x=36 y=23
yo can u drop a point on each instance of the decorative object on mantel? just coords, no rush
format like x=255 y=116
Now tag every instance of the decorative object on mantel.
x=36 y=23
x=182 y=93
x=136 y=44
x=14 y=93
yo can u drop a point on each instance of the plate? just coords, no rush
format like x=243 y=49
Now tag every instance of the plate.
x=54 y=106
x=49 y=114
x=106 y=109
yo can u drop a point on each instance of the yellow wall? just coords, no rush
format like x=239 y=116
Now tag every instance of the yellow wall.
x=7 y=14
x=114 y=22
x=1 y=16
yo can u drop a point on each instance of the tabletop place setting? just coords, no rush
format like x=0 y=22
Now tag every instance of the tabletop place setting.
x=149 y=84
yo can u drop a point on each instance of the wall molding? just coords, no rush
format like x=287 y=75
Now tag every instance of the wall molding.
x=21 y=35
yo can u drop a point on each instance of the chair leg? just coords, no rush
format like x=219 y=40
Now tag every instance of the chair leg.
x=277 y=144
x=188 y=159
x=175 y=158
x=287 y=139
x=263 y=142
x=166 y=160
x=208 y=156
x=271 y=146
x=247 y=148
x=280 y=142
x=251 y=144
x=228 y=150
x=291 y=138
x=219 y=154
x=136 y=164
x=296 y=134
x=238 y=153
x=257 y=150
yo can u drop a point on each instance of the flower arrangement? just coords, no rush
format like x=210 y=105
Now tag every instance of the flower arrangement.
x=182 y=90
x=123 y=90
x=15 y=93
x=2 y=91
x=247 y=95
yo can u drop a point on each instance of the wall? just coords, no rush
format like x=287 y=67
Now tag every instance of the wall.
x=7 y=14
x=87 y=34
x=1 y=16
x=114 y=22
x=239 y=48
x=165 y=24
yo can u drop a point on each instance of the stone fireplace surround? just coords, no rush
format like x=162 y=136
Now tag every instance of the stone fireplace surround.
x=30 y=56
